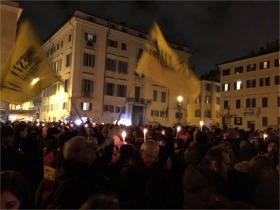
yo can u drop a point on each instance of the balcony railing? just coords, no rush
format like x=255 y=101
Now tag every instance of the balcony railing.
x=139 y=100
x=252 y=111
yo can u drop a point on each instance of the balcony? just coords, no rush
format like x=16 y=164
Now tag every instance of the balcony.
x=89 y=44
x=139 y=100
x=252 y=111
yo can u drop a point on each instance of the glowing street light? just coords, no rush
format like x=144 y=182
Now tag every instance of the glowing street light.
x=178 y=129
x=179 y=99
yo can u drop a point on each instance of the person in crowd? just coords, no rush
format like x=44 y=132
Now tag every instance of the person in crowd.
x=28 y=150
x=205 y=184
x=101 y=201
x=81 y=179
x=272 y=149
x=10 y=158
x=233 y=138
x=266 y=189
x=196 y=152
x=16 y=191
x=246 y=147
x=148 y=154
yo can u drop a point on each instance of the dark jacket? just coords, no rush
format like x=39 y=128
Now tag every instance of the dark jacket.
x=79 y=182
x=203 y=188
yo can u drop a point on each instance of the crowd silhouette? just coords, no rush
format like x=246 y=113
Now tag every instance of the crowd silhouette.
x=56 y=165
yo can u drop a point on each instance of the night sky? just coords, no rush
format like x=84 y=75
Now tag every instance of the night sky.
x=214 y=31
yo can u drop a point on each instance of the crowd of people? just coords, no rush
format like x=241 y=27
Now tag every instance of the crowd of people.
x=107 y=166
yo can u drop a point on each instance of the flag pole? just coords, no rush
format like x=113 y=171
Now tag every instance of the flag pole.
x=74 y=106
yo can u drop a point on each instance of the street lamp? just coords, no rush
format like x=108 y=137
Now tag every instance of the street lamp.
x=179 y=99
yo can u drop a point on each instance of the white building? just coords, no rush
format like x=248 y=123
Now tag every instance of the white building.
x=96 y=60
x=250 y=89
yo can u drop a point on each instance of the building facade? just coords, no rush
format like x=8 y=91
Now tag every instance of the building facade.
x=207 y=106
x=250 y=90
x=96 y=60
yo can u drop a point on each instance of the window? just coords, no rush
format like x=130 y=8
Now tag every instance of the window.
x=90 y=39
x=238 y=70
x=276 y=62
x=109 y=89
x=250 y=102
x=238 y=85
x=61 y=44
x=207 y=113
x=226 y=87
x=137 y=93
x=251 y=67
x=225 y=104
x=119 y=109
x=264 y=102
x=251 y=83
x=121 y=90
x=226 y=72
x=123 y=46
x=264 y=121
x=87 y=88
x=278 y=103
x=152 y=112
x=68 y=60
x=69 y=37
x=198 y=100
x=162 y=113
x=111 y=65
x=51 y=90
x=66 y=85
x=238 y=104
x=154 y=95
x=178 y=115
x=208 y=87
x=218 y=88
x=122 y=67
x=108 y=108
x=278 y=120
x=57 y=47
x=89 y=60
x=64 y=106
x=264 y=65
x=238 y=120
x=86 y=106
x=207 y=99
x=277 y=80
x=197 y=113
x=264 y=81
x=57 y=65
x=218 y=100
x=140 y=51
x=163 y=97
x=112 y=43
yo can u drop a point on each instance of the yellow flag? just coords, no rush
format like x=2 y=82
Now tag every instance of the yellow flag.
x=27 y=70
x=161 y=64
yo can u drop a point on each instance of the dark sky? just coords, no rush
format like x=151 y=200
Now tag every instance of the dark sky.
x=214 y=31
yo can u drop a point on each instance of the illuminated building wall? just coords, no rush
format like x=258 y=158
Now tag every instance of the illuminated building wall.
x=96 y=60
x=250 y=89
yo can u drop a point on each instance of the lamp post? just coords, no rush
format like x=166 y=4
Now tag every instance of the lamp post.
x=179 y=99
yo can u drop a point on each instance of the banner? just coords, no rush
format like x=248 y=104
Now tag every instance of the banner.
x=162 y=65
x=27 y=71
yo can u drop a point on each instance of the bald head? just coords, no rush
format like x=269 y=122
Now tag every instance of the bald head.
x=149 y=152
x=77 y=149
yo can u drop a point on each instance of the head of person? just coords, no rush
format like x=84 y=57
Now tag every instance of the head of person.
x=21 y=130
x=149 y=152
x=217 y=159
x=272 y=146
x=262 y=167
x=101 y=201
x=7 y=136
x=78 y=149
x=105 y=132
x=16 y=191
x=53 y=132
